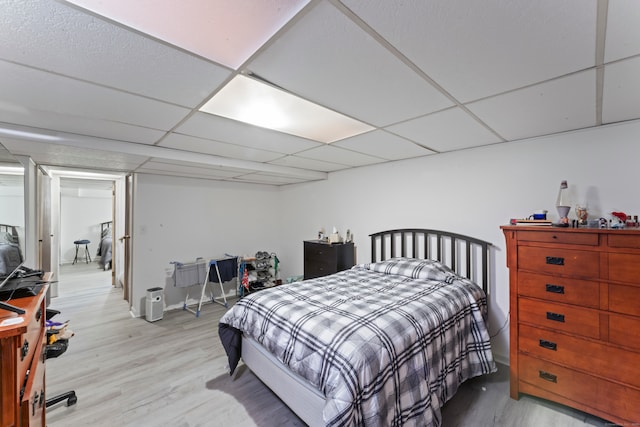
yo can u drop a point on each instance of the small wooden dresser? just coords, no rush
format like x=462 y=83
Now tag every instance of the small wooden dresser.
x=322 y=258
x=575 y=318
x=22 y=382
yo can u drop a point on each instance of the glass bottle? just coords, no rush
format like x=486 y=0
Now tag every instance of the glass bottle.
x=563 y=204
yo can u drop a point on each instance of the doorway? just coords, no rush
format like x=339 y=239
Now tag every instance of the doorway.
x=86 y=212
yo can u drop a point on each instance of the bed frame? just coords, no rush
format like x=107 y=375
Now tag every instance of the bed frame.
x=465 y=255
x=104 y=226
x=9 y=229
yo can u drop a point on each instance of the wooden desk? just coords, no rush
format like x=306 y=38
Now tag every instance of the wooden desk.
x=22 y=347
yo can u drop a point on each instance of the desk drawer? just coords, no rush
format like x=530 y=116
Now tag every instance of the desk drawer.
x=32 y=405
x=562 y=317
x=585 y=293
x=566 y=262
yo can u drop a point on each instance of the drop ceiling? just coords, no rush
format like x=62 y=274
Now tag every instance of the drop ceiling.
x=118 y=85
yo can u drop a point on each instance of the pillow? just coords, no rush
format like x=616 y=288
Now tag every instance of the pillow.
x=415 y=269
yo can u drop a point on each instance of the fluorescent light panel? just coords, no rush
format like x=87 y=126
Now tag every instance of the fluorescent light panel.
x=251 y=101
x=11 y=170
x=11 y=131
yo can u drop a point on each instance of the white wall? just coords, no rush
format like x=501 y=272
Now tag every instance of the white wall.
x=81 y=212
x=181 y=219
x=471 y=192
x=12 y=206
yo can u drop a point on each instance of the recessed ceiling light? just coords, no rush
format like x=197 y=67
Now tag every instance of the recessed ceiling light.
x=251 y=101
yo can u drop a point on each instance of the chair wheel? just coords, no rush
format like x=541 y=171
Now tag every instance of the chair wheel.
x=72 y=400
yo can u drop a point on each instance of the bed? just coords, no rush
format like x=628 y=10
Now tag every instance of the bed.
x=10 y=253
x=385 y=343
x=104 y=247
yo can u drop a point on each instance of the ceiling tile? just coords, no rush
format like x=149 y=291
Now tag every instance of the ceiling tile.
x=328 y=59
x=217 y=128
x=178 y=168
x=384 y=145
x=479 y=48
x=333 y=154
x=79 y=125
x=621 y=93
x=306 y=163
x=560 y=105
x=26 y=88
x=199 y=145
x=623 y=30
x=260 y=178
x=89 y=48
x=225 y=31
x=447 y=130
x=68 y=156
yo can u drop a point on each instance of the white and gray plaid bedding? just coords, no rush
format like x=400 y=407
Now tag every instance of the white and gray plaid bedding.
x=385 y=349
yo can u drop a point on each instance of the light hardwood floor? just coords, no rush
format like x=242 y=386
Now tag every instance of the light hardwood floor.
x=173 y=372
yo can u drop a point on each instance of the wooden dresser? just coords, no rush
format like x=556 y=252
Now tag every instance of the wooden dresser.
x=22 y=382
x=322 y=258
x=575 y=318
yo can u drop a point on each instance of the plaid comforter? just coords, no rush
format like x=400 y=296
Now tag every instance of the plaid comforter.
x=386 y=343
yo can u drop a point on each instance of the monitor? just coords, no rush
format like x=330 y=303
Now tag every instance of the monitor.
x=4 y=305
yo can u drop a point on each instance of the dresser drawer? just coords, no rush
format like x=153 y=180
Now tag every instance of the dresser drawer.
x=567 y=262
x=589 y=239
x=588 y=356
x=559 y=289
x=624 y=241
x=624 y=267
x=318 y=268
x=625 y=331
x=624 y=299
x=608 y=397
x=562 y=317
x=319 y=250
x=553 y=378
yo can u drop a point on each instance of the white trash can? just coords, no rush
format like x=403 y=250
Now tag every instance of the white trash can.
x=154 y=304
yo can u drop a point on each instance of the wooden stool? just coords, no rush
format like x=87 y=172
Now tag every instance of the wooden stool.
x=84 y=242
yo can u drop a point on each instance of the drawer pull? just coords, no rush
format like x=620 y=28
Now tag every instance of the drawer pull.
x=34 y=403
x=548 y=377
x=556 y=317
x=555 y=260
x=24 y=351
x=556 y=289
x=548 y=345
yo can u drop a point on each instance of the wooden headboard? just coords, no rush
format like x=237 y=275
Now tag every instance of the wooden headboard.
x=467 y=256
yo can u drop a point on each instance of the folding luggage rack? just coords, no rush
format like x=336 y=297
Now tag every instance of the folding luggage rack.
x=195 y=273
